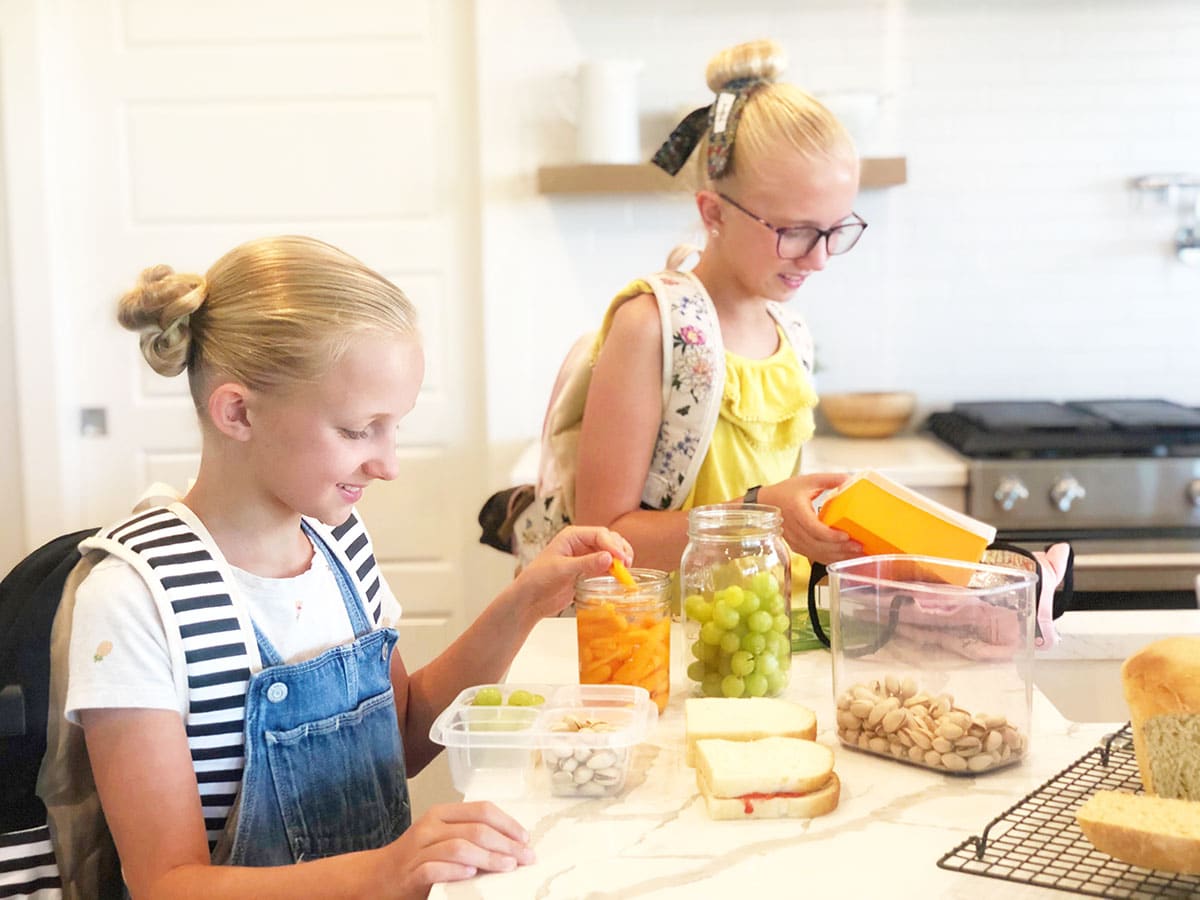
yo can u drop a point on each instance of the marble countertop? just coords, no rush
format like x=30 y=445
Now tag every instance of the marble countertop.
x=916 y=460
x=893 y=823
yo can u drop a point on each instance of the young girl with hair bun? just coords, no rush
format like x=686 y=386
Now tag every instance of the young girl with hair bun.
x=231 y=657
x=777 y=180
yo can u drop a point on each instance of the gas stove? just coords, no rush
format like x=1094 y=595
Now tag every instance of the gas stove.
x=1119 y=479
x=1046 y=430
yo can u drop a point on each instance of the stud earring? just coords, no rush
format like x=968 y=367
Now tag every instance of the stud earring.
x=714 y=232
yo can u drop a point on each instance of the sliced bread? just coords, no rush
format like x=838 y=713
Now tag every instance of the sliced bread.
x=766 y=766
x=1152 y=832
x=745 y=719
x=765 y=806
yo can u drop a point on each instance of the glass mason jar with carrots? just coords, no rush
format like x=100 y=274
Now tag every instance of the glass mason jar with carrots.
x=624 y=630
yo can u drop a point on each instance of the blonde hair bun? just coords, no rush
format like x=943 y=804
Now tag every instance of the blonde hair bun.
x=761 y=60
x=159 y=307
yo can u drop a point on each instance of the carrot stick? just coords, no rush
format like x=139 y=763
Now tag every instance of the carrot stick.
x=619 y=572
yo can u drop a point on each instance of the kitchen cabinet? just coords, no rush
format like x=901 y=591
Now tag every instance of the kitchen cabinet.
x=644 y=178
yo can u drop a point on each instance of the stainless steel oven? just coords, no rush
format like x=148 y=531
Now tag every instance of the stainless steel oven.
x=1119 y=479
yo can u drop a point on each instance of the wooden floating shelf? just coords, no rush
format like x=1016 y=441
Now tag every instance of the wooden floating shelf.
x=644 y=178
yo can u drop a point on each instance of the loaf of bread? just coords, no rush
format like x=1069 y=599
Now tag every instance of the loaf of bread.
x=1162 y=689
x=1152 y=832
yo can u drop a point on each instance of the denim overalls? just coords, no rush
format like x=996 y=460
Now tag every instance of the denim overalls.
x=324 y=771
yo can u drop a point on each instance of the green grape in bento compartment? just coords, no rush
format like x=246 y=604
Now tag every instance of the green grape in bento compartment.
x=487 y=696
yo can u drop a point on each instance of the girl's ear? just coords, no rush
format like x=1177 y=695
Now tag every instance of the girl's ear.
x=709 y=205
x=227 y=409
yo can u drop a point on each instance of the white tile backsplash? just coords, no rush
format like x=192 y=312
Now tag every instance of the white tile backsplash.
x=1015 y=262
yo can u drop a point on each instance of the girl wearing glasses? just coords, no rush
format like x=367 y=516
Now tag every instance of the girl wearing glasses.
x=778 y=175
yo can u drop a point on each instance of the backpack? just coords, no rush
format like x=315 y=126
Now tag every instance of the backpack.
x=29 y=598
x=522 y=519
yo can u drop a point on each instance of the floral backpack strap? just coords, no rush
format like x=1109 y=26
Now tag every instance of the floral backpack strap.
x=797 y=333
x=693 y=383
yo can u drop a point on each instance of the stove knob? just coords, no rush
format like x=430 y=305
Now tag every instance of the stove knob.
x=1065 y=492
x=1009 y=492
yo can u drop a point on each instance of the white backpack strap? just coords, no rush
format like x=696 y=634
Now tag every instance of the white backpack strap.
x=797 y=333
x=210 y=637
x=693 y=381
x=351 y=544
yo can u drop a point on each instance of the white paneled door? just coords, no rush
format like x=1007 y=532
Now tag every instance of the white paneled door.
x=172 y=130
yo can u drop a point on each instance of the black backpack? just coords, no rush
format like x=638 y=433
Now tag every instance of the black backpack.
x=29 y=597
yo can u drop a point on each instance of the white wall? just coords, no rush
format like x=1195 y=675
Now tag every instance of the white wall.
x=1015 y=263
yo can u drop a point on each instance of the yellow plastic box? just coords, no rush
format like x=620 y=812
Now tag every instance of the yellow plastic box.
x=887 y=517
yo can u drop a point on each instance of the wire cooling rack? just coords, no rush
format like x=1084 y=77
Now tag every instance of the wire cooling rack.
x=1037 y=841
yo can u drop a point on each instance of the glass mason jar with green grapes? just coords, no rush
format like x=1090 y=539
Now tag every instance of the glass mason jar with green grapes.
x=736 y=579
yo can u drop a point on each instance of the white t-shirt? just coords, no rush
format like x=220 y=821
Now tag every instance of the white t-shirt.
x=119 y=655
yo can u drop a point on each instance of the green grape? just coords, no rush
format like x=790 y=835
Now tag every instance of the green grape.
x=520 y=697
x=775 y=643
x=487 y=696
x=754 y=642
x=781 y=623
x=734 y=595
x=756 y=684
x=764 y=584
x=776 y=682
x=723 y=666
x=730 y=642
x=732 y=686
x=697 y=670
x=759 y=621
x=702 y=651
x=725 y=615
x=538 y=699
x=766 y=664
x=711 y=685
x=742 y=663
x=697 y=608
x=750 y=603
x=773 y=604
x=711 y=633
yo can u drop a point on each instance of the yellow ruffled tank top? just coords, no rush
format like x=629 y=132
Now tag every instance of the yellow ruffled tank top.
x=766 y=417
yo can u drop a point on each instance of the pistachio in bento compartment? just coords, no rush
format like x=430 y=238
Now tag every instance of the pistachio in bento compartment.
x=580 y=768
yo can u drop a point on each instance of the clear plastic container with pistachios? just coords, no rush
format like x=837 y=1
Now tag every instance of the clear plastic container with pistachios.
x=932 y=660
x=585 y=734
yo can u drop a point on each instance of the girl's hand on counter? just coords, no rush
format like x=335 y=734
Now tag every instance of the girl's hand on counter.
x=804 y=532
x=453 y=842
x=548 y=583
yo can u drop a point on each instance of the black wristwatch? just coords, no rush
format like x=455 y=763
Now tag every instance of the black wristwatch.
x=751 y=496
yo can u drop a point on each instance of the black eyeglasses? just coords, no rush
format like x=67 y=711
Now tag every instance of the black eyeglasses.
x=796 y=241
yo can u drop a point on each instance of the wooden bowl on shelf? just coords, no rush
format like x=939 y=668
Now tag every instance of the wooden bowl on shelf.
x=877 y=414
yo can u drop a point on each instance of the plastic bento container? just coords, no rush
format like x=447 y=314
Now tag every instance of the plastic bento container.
x=583 y=733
